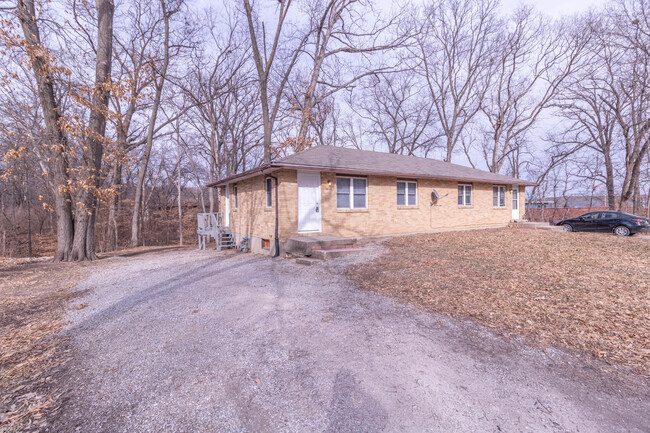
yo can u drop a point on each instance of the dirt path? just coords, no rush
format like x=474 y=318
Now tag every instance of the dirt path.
x=184 y=340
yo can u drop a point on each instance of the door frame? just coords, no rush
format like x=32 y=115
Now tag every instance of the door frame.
x=319 y=202
x=226 y=215
x=515 y=188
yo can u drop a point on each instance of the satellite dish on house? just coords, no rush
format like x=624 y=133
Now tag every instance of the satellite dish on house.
x=435 y=197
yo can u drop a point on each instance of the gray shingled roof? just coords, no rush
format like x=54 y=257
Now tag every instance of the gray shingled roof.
x=350 y=161
x=364 y=161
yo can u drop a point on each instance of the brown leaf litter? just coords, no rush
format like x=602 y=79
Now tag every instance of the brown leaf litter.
x=584 y=291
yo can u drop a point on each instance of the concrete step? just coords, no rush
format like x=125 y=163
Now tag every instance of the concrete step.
x=304 y=245
x=332 y=254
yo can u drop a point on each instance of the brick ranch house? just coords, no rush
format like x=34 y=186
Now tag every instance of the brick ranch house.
x=328 y=190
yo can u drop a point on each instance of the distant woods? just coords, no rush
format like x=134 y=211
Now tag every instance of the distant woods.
x=115 y=115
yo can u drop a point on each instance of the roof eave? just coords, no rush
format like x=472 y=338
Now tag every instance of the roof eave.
x=512 y=181
x=264 y=169
x=268 y=168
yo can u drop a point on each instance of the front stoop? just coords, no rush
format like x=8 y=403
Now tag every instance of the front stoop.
x=318 y=248
x=304 y=245
x=334 y=253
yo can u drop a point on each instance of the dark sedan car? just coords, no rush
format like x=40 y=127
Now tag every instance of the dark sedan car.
x=619 y=223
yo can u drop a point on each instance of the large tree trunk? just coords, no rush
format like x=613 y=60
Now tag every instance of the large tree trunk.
x=83 y=247
x=178 y=186
x=609 y=181
x=116 y=181
x=266 y=120
x=636 y=198
x=144 y=162
x=56 y=138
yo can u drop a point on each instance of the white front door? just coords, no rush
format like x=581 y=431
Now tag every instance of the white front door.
x=515 y=202
x=309 y=208
x=226 y=216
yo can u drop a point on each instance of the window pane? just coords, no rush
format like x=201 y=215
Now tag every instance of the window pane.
x=468 y=195
x=460 y=195
x=343 y=200
x=411 y=199
x=342 y=193
x=502 y=196
x=269 y=201
x=359 y=201
x=412 y=188
x=360 y=186
x=342 y=185
x=401 y=193
x=359 y=193
x=495 y=196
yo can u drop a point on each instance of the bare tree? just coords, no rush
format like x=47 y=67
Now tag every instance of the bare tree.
x=219 y=87
x=455 y=53
x=135 y=41
x=58 y=144
x=628 y=67
x=264 y=60
x=341 y=28
x=531 y=62
x=398 y=115
x=83 y=247
x=159 y=82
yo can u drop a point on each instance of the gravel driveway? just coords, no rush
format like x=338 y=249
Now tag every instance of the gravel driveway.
x=184 y=341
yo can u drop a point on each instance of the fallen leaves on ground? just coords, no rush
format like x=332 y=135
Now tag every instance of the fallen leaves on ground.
x=32 y=302
x=585 y=291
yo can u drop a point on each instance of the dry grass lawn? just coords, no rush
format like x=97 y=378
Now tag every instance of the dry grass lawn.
x=585 y=291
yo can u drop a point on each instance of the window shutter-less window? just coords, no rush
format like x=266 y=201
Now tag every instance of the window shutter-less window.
x=342 y=193
x=401 y=193
x=464 y=195
x=412 y=187
x=269 y=192
x=359 y=188
x=499 y=196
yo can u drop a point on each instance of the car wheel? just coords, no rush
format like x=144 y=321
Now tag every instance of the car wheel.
x=567 y=227
x=622 y=231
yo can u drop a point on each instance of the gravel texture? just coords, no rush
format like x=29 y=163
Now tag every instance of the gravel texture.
x=205 y=341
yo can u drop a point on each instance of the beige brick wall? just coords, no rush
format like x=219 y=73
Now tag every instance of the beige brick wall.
x=382 y=216
x=251 y=217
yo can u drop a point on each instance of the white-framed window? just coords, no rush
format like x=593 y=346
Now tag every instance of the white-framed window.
x=269 y=192
x=464 y=195
x=234 y=192
x=499 y=196
x=351 y=193
x=407 y=193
